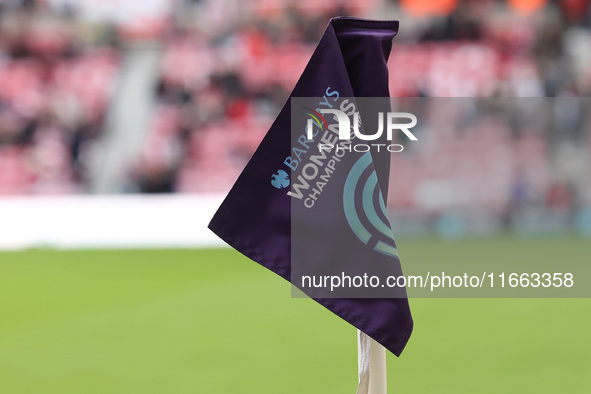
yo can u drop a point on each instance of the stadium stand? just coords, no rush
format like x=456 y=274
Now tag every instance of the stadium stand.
x=54 y=94
x=227 y=68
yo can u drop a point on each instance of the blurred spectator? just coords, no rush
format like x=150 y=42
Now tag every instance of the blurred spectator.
x=54 y=92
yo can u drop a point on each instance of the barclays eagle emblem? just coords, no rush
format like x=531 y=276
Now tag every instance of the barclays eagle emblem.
x=280 y=180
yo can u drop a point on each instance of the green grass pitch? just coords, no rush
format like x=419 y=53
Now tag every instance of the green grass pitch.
x=210 y=321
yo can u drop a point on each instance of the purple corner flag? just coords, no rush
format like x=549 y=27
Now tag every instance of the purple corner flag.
x=257 y=215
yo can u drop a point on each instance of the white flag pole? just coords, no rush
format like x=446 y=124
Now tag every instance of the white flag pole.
x=371 y=363
x=378 y=381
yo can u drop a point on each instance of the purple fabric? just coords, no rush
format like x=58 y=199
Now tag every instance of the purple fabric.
x=255 y=218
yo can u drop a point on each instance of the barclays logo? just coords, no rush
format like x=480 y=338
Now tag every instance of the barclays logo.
x=280 y=180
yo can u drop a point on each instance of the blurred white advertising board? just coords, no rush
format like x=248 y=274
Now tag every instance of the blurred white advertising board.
x=134 y=221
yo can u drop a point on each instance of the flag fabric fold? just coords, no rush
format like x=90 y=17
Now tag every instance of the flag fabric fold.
x=257 y=215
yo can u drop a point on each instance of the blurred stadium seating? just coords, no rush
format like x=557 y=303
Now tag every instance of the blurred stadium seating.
x=228 y=66
x=54 y=93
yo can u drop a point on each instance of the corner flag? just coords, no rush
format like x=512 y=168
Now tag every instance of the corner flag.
x=265 y=216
